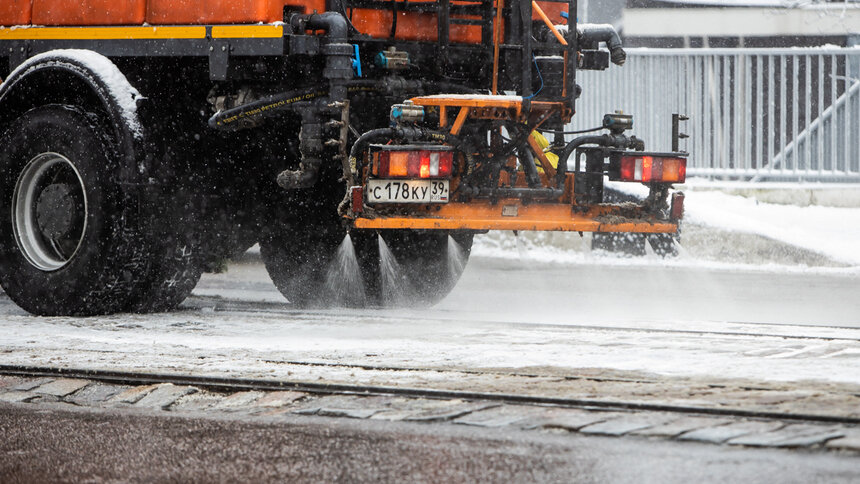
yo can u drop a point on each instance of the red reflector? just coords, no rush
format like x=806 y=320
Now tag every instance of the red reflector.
x=677 y=210
x=383 y=166
x=628 y=165
x=446 y=163
x=357 y=199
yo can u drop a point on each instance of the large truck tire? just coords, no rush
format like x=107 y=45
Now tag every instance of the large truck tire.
x=298 y=257
x=304 y=263
x=175 y=269
x=70 y=243
x=663 y=245
x=425 y=266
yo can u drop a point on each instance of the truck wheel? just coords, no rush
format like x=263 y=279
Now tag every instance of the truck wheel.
x=634 y=244
x=624 y=243
x=173 y=274
x=664 y=245
x=303 y=263
x=68 y=240
x=172 y=231
x=297 y=258
x=426 y=266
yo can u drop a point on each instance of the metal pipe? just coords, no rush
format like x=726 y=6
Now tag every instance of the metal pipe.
x=591 y=34
x=600 y=140
x=338 y=70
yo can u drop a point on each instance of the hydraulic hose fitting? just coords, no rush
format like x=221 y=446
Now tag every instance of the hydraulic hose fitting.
x=338 y=71
x=311 y=146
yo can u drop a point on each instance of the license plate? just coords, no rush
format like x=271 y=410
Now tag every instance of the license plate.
x=407 y=191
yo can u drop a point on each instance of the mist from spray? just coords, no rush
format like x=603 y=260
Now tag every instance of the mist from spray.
x=343 y=277
x=456 y=259
x=521 y=245
x=683 y=253
x=649 y=250
x=396 y=290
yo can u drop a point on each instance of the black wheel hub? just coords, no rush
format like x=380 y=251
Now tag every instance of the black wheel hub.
x=58 y=210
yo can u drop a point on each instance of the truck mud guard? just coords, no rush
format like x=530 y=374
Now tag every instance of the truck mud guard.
x=44 y=79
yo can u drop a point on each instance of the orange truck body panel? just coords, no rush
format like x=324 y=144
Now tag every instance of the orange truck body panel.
x=161 y=12
x=15 y=12
x=88 y=12
x=411 y=26
x=377 y=23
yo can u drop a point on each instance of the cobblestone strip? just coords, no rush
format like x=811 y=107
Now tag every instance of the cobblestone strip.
x=181 y=399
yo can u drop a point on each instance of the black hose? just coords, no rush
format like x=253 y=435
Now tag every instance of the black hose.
x=365 y=139
x=266 y=106
x=356 y=163
x=527 y=160
x=393 y=19
x=581 y=131
x=270 y=105
x=601 y=140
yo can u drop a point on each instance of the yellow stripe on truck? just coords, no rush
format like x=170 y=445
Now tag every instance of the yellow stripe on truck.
x=247 y=31
x=101 y=33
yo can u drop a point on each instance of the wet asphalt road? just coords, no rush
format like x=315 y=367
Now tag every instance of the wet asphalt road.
x=50 y=444
x=45 y=443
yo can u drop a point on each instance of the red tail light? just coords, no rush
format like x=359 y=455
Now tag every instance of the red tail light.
x=650 y=168
x=415 y=164
x=424 y=166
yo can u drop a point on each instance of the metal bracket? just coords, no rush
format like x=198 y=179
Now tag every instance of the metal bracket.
x=219 y=60
x=304 y=44
x=676 y=134
x=18 y=53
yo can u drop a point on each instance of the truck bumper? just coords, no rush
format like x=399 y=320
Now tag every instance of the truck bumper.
x=515 y=215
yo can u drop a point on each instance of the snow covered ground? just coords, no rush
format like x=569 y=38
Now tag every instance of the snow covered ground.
x=831 y=231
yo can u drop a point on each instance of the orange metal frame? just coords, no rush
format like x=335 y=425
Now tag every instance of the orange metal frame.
x=489 y=107
x=510 y=214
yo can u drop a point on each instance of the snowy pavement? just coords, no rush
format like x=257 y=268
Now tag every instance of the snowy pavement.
x=591 y=331
x=542 y=316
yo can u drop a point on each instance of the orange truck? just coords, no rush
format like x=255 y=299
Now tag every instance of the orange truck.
x=144 y=141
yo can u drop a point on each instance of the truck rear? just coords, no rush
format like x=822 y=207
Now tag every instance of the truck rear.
x=147 y=141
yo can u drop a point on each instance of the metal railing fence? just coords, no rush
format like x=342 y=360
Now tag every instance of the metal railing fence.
x=755 y=114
